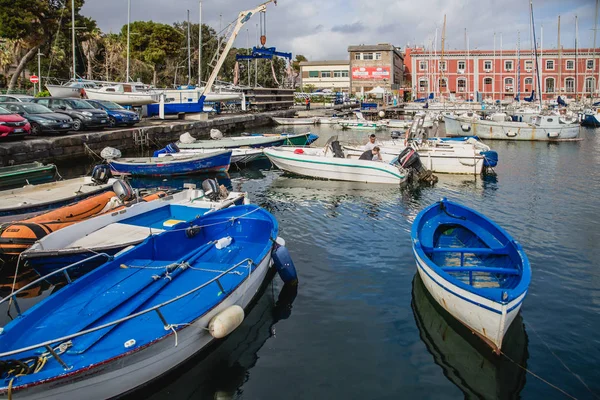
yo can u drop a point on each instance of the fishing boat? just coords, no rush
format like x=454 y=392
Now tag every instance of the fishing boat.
x=359 y=125
x=147 y=311
x=18 y=236
x=464 y=359
x=124 y=94
x=240 y=155
x=171 y=166
x=31 y=200
x=472 y=268
x=591 y=117
x=330 y=162
x=295 y=121
x=26 y=174
x=254 y=141
x=115 y=231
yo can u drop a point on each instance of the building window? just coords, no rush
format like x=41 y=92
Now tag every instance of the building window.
x=589 y=64
x=442 y=65
x=367 y=56
x=487 y=65
x=337 y=74
x=358 y=56
x=570 y=64
x=443 y=83
x=508 y=65
x=487 y=81
x=529 y=81
x=461 y=65
x=589 y=85
x=423 y=85
x=423 y=65
x=313 y=74
x=325 y=74
x=528 y=65
x=461 y=84
x=550 y=65
x=344 y=74
x=378 y=56
x=549 y=85
x=570 y=85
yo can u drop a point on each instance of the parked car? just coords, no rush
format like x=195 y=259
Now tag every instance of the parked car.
x=42 y=119
x=117 y=114
x=13 y=125
x=83 y=113
x=8 y=98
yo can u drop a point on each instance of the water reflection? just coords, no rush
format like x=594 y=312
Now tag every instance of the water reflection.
x=177 y=182
x=222 y=372
x=465 y=359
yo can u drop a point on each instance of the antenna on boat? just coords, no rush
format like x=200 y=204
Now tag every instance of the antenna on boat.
x=537 y=67
x=128 y=21
x=200 y=46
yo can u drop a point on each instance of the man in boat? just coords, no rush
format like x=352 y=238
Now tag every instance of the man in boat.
x=371 y=155
x=371 y=143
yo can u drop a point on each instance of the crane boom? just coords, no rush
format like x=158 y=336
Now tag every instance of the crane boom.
x=242 y=18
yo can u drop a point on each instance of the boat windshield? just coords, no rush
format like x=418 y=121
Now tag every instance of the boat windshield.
x=110 y=105
x=35 y=109
x=4 y=111
x=80 y=104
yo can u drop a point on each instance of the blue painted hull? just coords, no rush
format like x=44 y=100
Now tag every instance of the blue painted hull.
x=219 y=162
x=175 y=108
x=591 y=120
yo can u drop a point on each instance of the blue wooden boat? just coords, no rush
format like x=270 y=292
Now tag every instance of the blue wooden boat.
x=170 y=166
x=472 y=267
x=144 y=313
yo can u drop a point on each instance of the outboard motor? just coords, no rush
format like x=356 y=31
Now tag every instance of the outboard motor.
x=123 y=190
x=396 y=134
x=168 y=149
x=101 y=174
x=337 y=149
x=409 y=159
x=211 y=189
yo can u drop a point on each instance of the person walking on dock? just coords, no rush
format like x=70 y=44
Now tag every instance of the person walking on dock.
x=308 y=103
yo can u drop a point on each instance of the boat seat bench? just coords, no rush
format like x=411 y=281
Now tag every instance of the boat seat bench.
x=429 y=229
x=472 y=250
x=481 y=268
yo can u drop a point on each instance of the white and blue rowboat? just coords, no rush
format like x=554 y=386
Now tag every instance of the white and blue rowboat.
x=171 y=166
x=471 y=267
x=114 y=232
x=243 y=155
x=144 y=313
x=324 y=164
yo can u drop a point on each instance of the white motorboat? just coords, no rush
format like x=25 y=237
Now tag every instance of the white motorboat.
x=542 y=127
x=242 y=155
x=123 y=94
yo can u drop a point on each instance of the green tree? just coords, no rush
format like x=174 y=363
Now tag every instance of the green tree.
x=153 y=43
x=296 y=68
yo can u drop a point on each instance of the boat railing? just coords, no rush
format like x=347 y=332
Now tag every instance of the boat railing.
x=63 y=271
x=247 y=263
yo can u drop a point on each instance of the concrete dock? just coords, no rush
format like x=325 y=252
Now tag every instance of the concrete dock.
x=154 y=134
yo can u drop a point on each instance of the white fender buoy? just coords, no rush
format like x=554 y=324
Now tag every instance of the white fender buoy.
x=226 y=321
x=553 y=135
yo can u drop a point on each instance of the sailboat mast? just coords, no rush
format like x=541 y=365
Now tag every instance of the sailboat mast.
x=128 y=21
x=595 y=52
x=200 y=45
x=518 y=64
x=576 y=77
x=73 y=37
x=189 y=49
x=559 y=59
x=537 y=66
x=442 y=62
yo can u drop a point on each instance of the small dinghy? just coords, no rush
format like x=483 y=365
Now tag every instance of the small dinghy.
x=243 y=155
x=187 y=142
x=215 y=161
x=18 y=236
x=471 y=267
x=144 y=313
x=295 y=121
x=115 y=231
x=31 y=200
x=26 y=174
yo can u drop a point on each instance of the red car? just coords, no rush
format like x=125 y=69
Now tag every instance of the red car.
x=13 y=125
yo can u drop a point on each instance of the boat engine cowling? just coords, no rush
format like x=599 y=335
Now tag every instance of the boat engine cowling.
x=397 y=134
x=409 y=159
x=101 y=174
x=168 y=149
x=123 y=190
x=211 y=189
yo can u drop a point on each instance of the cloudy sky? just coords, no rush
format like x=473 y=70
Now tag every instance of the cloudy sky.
x=323 y=29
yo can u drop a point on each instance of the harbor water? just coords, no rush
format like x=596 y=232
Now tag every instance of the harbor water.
x=362 y=326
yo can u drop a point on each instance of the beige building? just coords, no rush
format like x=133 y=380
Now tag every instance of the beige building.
x=333 y=75
x=375 y=65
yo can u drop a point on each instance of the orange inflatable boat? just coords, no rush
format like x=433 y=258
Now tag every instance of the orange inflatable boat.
x=16 y=237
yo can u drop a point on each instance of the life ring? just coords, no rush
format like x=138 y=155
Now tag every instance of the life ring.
x=465 y=127
x=511 y=134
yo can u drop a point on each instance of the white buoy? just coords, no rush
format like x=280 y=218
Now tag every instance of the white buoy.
x=226 y=321
x=381 y=114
